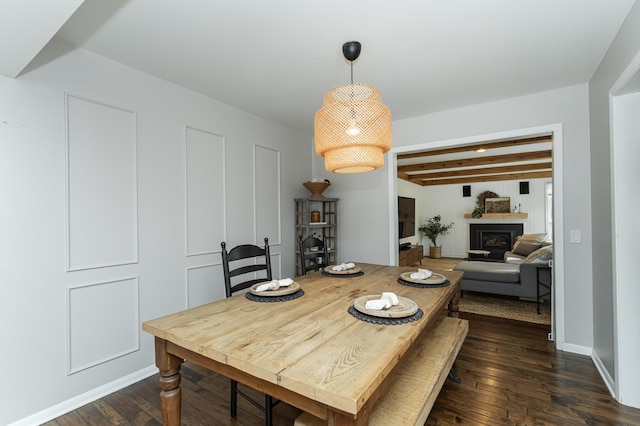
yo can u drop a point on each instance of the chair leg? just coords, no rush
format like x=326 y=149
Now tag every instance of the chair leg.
x=234 y=398
x=268 y=407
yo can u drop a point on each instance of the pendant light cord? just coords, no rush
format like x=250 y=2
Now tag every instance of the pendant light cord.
x=351 y=62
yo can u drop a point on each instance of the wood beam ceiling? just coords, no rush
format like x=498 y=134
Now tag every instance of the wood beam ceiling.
x=519 y=166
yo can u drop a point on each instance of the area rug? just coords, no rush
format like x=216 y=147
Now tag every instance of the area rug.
x=505 y=307
x=493 y=305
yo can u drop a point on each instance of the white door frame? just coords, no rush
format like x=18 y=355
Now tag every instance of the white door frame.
x=558 y=313
x=624 y=104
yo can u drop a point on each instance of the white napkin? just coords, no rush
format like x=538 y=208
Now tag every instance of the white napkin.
x=344 y=266
x=274 y=285
x=387 y=300
x=422 y=274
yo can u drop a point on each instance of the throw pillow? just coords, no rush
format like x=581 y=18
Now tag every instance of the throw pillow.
x=541 y=256
x=525 y=247
x=537 y=238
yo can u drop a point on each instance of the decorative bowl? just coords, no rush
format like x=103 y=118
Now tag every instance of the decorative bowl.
x=316 y=188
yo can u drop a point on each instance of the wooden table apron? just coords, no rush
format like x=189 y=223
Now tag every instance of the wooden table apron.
x=309 y=352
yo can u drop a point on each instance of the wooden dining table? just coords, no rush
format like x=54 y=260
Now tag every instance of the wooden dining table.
x=309 y=352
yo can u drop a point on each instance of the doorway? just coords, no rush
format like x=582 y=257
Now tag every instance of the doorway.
x=558 y=319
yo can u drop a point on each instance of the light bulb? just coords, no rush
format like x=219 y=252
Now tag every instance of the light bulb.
x=353 y=128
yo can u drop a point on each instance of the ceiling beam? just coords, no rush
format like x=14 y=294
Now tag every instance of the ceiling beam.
x=476 y=146
x=491 y=178
x=478 y=171
x=470 y=162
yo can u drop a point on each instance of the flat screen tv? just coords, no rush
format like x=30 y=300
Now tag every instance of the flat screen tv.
x=406 y=217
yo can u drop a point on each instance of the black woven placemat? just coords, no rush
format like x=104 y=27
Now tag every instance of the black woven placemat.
x=284 y=298
x=411 y=284
x=385 y=321
x=329 y=274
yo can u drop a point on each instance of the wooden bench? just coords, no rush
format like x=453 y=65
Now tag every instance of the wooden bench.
x=421 y=375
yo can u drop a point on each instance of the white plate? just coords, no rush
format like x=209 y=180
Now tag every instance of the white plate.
x=282 y=291
x=329 y=270
x=433 y=279
x=405 y=307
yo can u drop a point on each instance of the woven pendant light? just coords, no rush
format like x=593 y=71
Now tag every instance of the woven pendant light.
x=353 y=127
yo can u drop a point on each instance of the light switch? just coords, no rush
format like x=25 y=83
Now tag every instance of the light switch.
x=575 y=236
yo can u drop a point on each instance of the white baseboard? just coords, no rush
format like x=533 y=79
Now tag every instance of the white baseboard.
x=85 y=398
x=577 y=349
x=606 y=377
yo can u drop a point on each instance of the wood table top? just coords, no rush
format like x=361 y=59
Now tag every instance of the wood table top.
x=311 y=345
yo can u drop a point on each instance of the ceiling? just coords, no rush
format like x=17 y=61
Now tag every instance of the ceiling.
x=277 y=58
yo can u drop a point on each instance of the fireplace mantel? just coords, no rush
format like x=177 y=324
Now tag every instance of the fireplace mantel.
x=493 y=216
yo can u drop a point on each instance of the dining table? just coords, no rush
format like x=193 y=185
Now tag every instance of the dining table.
x=312 y=351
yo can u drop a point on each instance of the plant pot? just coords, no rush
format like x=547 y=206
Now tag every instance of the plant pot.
x=435 y=252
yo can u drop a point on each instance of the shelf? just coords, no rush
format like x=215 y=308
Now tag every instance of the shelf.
x=488 y=216
x=325 y=223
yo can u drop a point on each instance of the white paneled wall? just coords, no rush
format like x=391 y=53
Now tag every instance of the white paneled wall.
x=118 y=189
x=199 y=285
x=101 y=184
x=267 y=195
x=448 y=202
x=103 y=322
x=204 y=191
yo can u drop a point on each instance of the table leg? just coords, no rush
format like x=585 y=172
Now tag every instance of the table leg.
x=170 y=392
x=336 y=419
x=454 y=304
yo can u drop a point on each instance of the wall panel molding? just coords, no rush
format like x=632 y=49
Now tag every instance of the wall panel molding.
x=101 y=184
x=204 y=284
x=267 y=195
x=204 y=192
x=102 y=322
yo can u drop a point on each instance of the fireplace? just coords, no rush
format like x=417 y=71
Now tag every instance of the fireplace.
x=496 y=238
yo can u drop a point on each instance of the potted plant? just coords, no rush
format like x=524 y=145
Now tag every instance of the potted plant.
x=432 y=230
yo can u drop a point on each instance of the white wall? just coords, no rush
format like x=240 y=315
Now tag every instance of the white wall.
x=370 y=231
x=123 y=166
x=615 y=349
x=448 y=202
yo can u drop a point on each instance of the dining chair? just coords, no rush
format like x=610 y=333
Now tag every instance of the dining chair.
x=249 y=261
x=313 y=254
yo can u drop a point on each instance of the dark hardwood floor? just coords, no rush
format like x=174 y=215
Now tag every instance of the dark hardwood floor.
x=511 y=375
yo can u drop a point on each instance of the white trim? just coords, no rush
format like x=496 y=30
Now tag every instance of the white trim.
x=606 y=377
x=86 y=398
x=71 y=369
x=622 y=390
x=213 y=250
x=392 y=162
x=136 y=249
x=558 y=320
x=577 y=349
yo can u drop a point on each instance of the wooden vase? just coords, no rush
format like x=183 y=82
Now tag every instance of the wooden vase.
x=435 y=252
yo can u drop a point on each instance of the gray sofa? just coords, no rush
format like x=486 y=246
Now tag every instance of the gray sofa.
x=518 y=276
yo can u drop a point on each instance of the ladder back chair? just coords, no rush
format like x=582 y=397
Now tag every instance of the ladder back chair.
x=243 y=270
x=313 y=260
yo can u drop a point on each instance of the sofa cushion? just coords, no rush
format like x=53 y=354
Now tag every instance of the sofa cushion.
x=541 y=256
x=489 y=271
x=525 y=247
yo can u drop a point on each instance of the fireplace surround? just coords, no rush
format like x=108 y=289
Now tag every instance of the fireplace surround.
x=496 y=238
